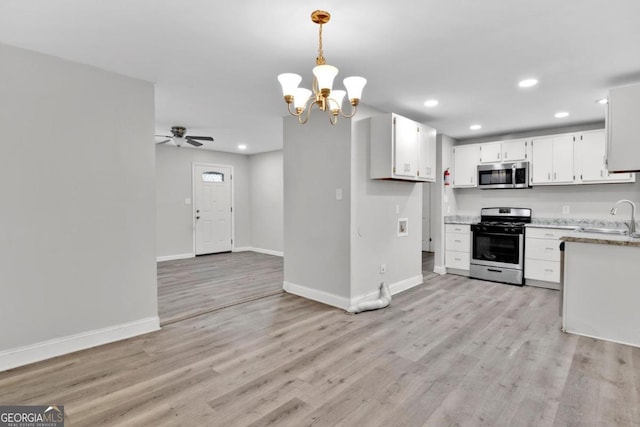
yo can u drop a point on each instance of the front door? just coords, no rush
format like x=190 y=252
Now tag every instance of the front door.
x=212 y=193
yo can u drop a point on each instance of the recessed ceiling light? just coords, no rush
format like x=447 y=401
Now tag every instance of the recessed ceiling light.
x=475 y=127
x=562 y=115
x=602 y=101
x=431 y=103
x=528 y=83
x=242 y=147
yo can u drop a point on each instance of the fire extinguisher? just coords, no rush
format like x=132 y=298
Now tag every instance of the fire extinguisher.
x=447 y=174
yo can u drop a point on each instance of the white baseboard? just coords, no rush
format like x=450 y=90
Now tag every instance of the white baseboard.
x=268 y=252
x=172 y=257
x=242 y=249
x=20 y=356
x=403 y=285
x=316 y=295
x=394 y=288
x=258 y=250
x=440 y=269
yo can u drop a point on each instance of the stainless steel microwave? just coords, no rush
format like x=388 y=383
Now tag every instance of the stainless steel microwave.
x=503 y=175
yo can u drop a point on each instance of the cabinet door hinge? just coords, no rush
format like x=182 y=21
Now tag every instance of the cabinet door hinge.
x=418 y=173
x=231 y=209
x=394 y=169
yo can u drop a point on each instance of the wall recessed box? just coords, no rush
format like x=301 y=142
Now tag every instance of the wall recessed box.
x=402 y=149
x=623 y=138
x=403 y=227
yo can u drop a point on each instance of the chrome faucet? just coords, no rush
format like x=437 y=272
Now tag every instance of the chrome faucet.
x=632 y=223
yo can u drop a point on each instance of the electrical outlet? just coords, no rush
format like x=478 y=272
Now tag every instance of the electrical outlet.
x=383 y=268
x=565 y=210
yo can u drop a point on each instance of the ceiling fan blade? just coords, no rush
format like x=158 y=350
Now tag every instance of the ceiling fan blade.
x=163 y=142
x=204 y=138
x=164 y=136
x=192 y=142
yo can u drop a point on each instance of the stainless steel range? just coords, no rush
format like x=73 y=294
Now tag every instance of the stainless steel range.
x=497 y=245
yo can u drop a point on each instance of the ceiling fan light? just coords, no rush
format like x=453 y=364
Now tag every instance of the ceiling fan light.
x=354 y=85
x=324 y=75
x=289 y=83
x=300 y=97
x=178 y=141
x=335 y=101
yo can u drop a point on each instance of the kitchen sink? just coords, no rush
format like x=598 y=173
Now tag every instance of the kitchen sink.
x=614 y=231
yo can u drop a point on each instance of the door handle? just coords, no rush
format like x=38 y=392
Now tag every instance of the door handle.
x=197 y=217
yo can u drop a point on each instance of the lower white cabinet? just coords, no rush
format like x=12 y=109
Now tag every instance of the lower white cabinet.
x=542 y=257
x=457 y=246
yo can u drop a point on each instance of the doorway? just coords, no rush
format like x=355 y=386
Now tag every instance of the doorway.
x=212 y=208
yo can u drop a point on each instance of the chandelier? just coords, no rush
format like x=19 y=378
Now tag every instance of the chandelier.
x=323 y=96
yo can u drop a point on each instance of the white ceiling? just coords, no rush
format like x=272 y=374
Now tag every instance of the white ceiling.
x=215 y=63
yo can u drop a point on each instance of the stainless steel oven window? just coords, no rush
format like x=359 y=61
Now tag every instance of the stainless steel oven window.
x=497 y=248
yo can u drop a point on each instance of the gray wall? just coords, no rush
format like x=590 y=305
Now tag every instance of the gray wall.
x=374 y=221
x=174 y=228
x=316 y=226
x=267 y=201
x=77 y=224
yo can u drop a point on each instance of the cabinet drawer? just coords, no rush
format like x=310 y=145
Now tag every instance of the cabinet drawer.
x=458 y=228
x=458 y=242
x=542 y=249
x=546 y=233
x=548 y=271
x=459 y=260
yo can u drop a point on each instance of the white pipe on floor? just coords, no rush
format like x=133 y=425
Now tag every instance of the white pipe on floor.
x=382 y=302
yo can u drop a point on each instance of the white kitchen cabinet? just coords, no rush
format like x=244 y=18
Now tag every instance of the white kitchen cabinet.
x=590 y=160
x=401 y=149
x=465 y=165
x=458 y=247
x=542 y=257
x=514 y=151
x=552 y=160
x=490 y=152
x=426 y=153
x=504 y=151
x=623 y=138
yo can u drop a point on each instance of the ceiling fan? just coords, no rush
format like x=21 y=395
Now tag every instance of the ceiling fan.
x=178 y=137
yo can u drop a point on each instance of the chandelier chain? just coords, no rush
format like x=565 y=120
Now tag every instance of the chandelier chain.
x=320 y=59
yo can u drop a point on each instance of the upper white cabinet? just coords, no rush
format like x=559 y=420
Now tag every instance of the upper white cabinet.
x=465 y=165
x=515 y=151
x=426 y=153
x=402 y=149
x=552 y=160
x=623 y=138
x=505 y=151
x=590 y=160
x=490 y=152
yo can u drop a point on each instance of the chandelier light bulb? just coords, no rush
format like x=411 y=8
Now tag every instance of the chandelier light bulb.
x=325 y=75
x=335 y=101
x=300 y=97
x=354 y=85
x=289 y=83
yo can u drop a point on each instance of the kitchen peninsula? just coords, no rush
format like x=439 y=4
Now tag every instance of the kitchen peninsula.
x=602 y=287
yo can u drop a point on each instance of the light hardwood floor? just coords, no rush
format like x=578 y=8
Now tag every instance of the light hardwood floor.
x=453 y=351
x=194 y=286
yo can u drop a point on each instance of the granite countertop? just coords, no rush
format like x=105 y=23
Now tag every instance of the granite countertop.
x=556 y=223
x=461 y=219
x=602 y=239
